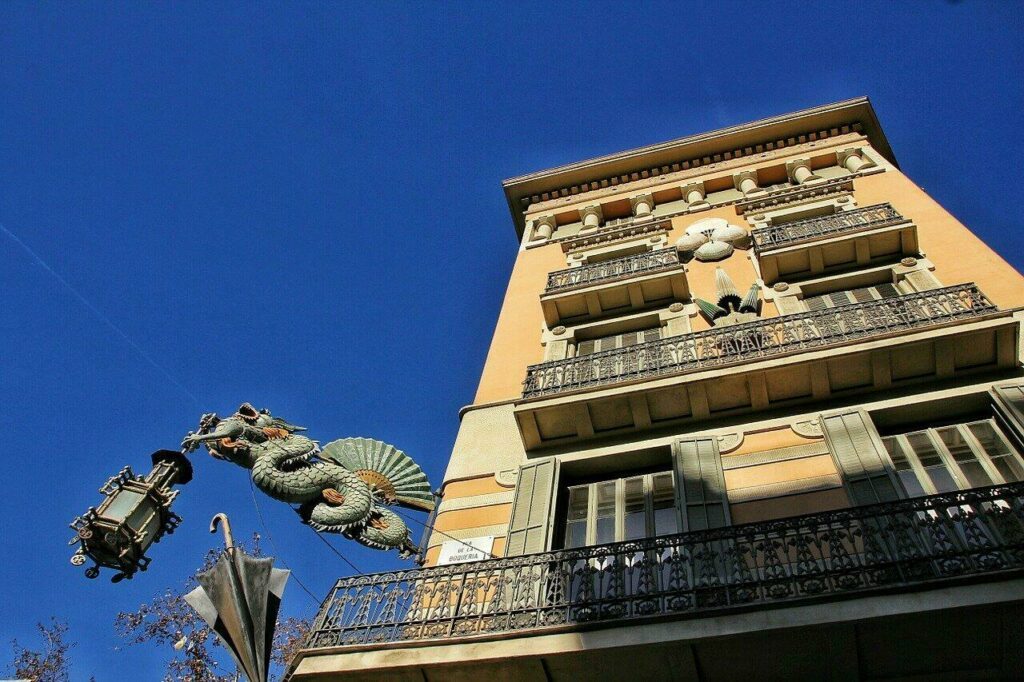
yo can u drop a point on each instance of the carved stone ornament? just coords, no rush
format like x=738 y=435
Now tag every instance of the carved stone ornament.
x=729 y=307
x=908 y=262
x=780 y=286
x=729 y=442
x=712 y=239
x=808 y=429
x=558 y=331
x=507 y=477
x=676 y=307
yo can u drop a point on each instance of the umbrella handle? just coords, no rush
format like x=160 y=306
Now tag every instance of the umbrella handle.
x=229 y=540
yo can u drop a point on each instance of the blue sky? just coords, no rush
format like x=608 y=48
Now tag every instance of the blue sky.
x=299 y=205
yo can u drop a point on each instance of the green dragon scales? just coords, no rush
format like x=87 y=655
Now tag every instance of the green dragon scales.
x=346 y=487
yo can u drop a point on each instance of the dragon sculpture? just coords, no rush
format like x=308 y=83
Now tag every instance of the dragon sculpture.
x=346 y=487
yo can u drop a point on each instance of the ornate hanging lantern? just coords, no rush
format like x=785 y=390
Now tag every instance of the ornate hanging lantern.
x=135 y=513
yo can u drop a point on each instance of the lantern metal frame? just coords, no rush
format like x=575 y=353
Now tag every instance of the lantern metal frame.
x=135 y=514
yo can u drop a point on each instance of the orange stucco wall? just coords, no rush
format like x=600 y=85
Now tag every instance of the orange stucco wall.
x=959 y=256
x=516 y=342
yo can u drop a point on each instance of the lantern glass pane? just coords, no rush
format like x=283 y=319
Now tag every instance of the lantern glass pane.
x=122 y=504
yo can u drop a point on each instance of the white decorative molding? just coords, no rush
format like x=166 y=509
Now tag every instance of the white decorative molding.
x=474 y=501
x=808 y=429
x=784 y=454
x=497 y=530
x=728 y=442
x=771 y=490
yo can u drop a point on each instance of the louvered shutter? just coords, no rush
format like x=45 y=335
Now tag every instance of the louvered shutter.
x=532 y=508
x=863 y=295
x=860 y=457
x=700 y=484
x=1010 y=404
x=887 y=291
x=651 y=334
x=815 y=303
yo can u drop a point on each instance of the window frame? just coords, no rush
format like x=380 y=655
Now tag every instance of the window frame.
x=950 y=462
x=647 y=491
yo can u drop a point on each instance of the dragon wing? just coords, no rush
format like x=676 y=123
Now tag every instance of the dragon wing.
x=383 y=467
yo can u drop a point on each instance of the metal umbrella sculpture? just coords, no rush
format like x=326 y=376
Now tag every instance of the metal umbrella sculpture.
x=239 y=599
x=346 y=487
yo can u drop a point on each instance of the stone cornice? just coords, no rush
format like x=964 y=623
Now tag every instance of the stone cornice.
x=854 y=115
x=685 y=177
x=794 y=195
x=630 y=231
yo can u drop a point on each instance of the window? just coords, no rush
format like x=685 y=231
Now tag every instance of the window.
x=954 y=457
x=617 y=341
x=838 y=298
x=621 y=509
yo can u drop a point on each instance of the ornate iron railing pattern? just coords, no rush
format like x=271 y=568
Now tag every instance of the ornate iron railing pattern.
x=755 y=340
x=855 y=220
x=907 y=543
x=610 y=270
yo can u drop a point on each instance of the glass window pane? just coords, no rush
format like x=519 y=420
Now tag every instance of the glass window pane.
x=605 y=512
x=696 y=517
x=716 y=516
x=665 y=519
x=911 y=484
x=906 y=473
x=964 y=456
x=635 y=515
x=576 y=520
x=1006 y=461
x=931 y=461
x=985 y=432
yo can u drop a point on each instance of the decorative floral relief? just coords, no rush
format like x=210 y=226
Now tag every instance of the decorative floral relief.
x=712 y=239
x=729 y=307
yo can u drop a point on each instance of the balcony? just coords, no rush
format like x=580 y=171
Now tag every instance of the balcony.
x=764 y=364
x=815 y=245
x=628 y=283
x=917 y=544
x=755 y=340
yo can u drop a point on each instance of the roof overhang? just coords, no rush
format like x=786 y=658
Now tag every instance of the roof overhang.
x=857 y=110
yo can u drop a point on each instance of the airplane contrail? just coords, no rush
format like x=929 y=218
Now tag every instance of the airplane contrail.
x=98 y=313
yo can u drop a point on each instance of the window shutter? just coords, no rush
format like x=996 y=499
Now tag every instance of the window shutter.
x=887 y=291
x=858 y=452
x=1010 y=404
x=700 y=484
x=651 y=334
x=837 y=298
x=864 y=295
x=531 y=520
x=816 y=303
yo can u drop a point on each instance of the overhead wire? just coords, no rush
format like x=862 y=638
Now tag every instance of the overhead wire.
x=273 y=545
x=441 y=532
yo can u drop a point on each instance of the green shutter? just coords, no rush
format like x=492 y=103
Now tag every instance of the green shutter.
x=700 y=484
x=532 y=508
x=860 y=457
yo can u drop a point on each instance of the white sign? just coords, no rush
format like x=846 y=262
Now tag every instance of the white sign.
x=461 y=551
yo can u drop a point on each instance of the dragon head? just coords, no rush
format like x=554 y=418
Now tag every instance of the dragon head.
x=230 y=438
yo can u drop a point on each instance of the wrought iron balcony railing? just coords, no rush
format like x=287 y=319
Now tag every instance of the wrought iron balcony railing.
x=610 y=270
x=756 y=340
x=907 y=544
x=787 y=234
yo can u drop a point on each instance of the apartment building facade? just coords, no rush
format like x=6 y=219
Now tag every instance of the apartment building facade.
x=753 y=407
